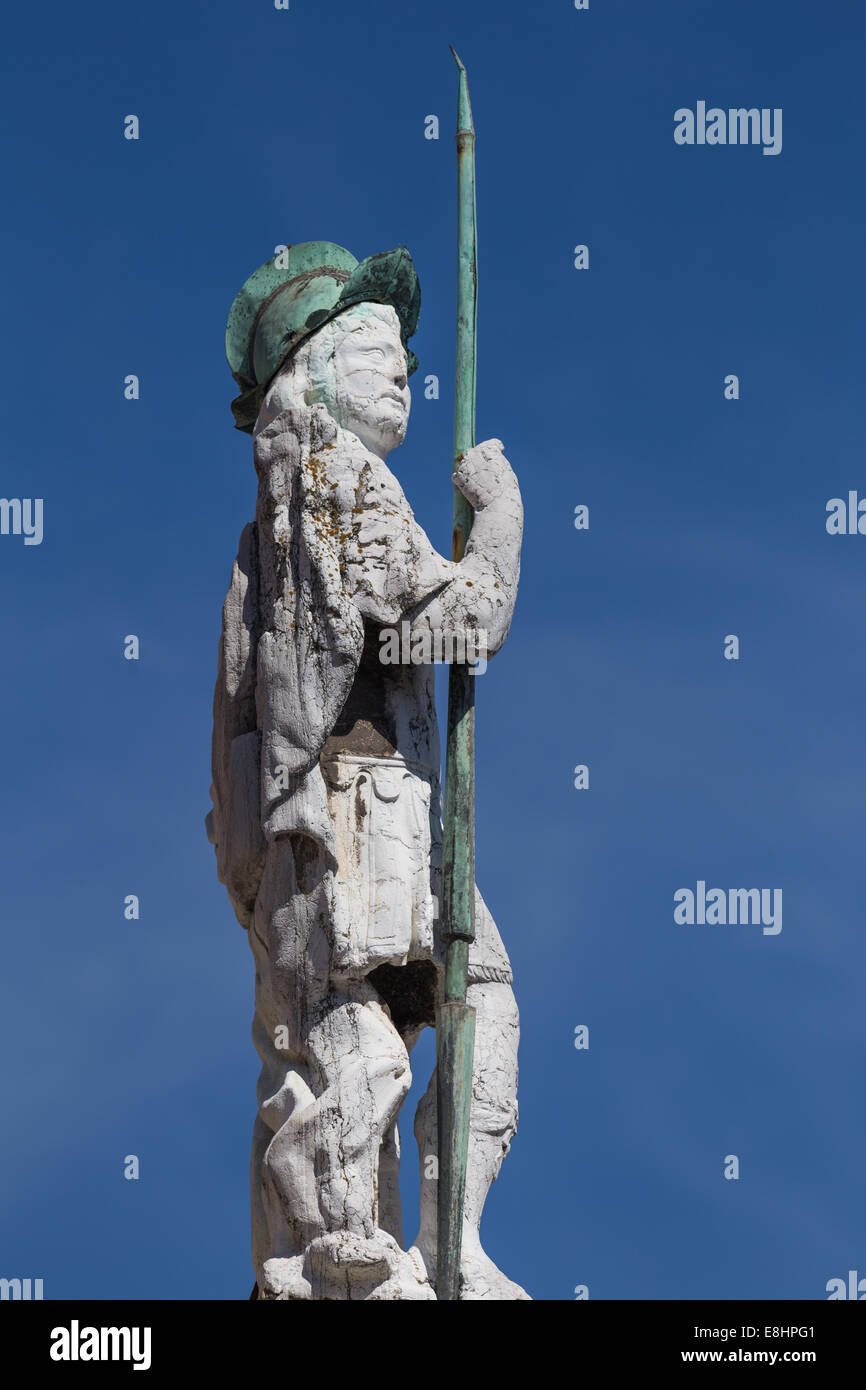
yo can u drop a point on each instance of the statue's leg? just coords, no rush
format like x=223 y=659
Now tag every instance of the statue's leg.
x=335 y=1073
x=320 y=1173
x=322 y=1164
x=493 y=1118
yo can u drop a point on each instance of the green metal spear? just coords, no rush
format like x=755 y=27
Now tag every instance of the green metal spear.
x=455 y=1019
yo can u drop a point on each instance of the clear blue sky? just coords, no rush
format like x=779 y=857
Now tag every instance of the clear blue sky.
x=707 y=517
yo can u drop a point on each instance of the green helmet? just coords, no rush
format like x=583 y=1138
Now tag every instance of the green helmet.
x=281 y=306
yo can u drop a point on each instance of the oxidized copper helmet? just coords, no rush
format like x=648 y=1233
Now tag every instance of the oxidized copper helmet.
x=296 y=292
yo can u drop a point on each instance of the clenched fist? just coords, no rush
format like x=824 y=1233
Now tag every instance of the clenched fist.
x=484 y=474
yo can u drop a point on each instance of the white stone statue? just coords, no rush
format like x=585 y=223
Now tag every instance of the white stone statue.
x=326 y=814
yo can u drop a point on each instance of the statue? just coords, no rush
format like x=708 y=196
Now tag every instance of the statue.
x=326 y=799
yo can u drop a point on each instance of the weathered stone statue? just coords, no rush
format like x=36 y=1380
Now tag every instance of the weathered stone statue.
x=326 y=796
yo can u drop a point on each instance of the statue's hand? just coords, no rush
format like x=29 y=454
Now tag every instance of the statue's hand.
x=484 y=474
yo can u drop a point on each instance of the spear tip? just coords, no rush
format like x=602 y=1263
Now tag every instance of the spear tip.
x=464 y=106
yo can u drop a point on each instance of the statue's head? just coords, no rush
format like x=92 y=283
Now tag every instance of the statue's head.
x=356 y=366
x=318 y=325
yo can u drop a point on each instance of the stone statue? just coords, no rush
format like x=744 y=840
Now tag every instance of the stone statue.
x=326 y=797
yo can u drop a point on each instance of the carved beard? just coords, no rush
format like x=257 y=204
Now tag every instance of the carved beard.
x=379 y=423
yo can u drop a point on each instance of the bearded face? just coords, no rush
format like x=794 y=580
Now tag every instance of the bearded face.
x=355 y=366
x=371 y=394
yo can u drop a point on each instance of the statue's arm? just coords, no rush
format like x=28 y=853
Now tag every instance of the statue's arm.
x=420 y=586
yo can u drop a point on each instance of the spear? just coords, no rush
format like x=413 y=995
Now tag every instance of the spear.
x=455 y=1020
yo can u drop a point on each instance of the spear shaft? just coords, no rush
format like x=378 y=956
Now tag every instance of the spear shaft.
x=455 y=1021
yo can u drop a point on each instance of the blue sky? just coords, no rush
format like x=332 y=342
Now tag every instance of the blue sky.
x=707 y=517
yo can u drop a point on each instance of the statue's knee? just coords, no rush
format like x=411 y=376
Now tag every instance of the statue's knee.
x=363 y=1058
x=389 y=1078
x=494 y=1126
